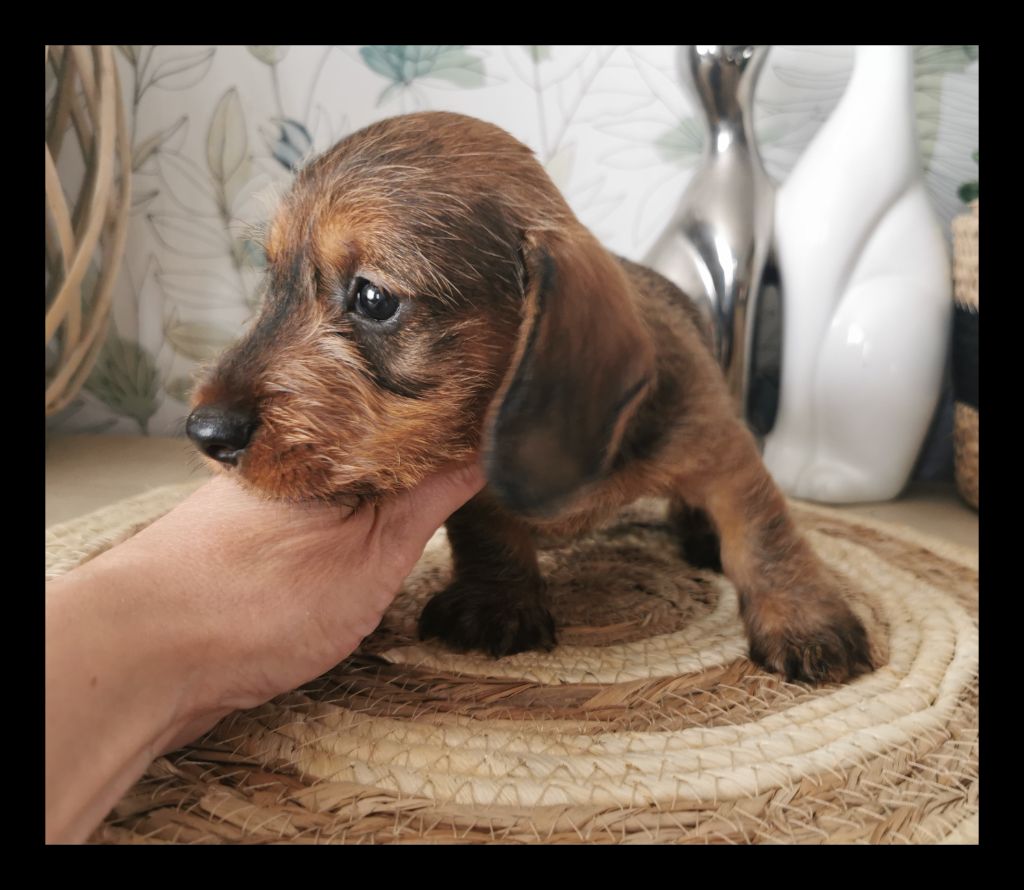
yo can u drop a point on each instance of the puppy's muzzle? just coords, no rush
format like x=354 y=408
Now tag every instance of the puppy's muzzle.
x=221 y=432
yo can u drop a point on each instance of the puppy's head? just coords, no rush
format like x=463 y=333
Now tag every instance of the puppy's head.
x=428 y=293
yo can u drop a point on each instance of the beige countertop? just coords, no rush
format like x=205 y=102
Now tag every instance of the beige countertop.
x=84 y=473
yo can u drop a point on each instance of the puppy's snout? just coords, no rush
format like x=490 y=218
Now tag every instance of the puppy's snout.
x=221 y=432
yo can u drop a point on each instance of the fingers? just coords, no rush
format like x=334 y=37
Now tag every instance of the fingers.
x=419 y=512
x=411 y=516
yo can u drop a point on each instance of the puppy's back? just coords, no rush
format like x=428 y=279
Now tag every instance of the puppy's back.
x=657 y=292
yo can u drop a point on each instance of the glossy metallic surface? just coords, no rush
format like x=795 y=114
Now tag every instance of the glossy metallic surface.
x=718 y=244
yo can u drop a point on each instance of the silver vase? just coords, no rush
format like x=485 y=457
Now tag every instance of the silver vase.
x=718 y=246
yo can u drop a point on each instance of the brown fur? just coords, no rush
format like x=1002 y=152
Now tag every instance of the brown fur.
x=586 y=381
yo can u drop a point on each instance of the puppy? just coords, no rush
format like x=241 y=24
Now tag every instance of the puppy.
x=431 y=296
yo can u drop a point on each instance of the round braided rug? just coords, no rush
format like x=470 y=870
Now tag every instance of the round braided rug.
x=646 y=725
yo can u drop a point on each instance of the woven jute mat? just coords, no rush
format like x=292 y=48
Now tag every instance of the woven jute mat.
x=646 y=725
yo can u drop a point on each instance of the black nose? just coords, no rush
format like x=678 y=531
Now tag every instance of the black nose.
x=221 y=433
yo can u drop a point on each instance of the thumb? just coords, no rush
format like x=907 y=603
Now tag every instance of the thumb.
x=416 y=514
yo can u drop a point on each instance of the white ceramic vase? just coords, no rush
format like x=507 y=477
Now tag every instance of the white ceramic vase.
x=866 y=306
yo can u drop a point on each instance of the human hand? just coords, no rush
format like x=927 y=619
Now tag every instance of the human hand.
x=282 y=592
x=223 y=603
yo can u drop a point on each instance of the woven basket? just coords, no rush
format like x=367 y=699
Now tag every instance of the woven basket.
x=84 y=238
x=965 y=354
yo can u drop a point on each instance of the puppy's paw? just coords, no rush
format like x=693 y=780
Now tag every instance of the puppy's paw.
x=466 y=616
x=824 y=643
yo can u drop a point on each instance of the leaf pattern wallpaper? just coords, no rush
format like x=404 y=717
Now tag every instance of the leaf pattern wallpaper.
x=219 y=131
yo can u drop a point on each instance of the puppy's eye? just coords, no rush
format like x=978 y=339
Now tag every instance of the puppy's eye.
x=375 y=302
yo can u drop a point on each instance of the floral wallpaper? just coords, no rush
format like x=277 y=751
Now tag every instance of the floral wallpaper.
x=218 y=131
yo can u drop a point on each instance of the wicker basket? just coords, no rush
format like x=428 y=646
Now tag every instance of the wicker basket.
x=84 y=239
x=965 y=353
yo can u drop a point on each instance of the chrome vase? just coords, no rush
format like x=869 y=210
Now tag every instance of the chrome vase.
x=717 y=247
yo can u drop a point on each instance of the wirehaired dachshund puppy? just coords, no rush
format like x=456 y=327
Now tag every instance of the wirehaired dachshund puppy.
x=430 y=296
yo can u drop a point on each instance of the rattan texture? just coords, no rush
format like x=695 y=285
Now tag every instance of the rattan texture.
x=965 y=258
x=647 y=724
x=86 y=229
x=966 y=452
x=965 y=417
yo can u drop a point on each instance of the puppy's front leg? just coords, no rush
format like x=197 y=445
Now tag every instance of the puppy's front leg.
x=797 y=622
x=496 y=601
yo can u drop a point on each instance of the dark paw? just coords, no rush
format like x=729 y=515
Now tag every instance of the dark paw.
x=466 y=617
x=833 y=650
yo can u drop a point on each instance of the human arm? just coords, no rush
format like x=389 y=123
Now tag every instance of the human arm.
x=221 y=604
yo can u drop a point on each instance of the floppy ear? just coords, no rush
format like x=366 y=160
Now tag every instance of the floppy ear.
x=582 y=364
